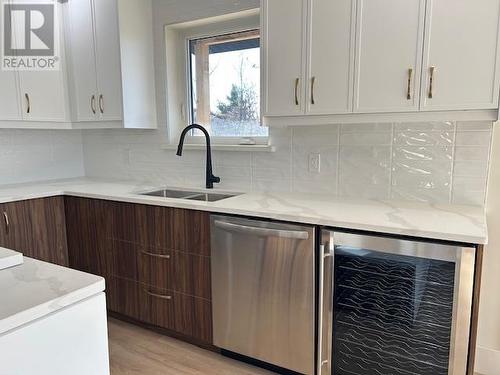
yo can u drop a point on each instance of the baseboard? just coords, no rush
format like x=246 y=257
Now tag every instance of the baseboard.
x=487 y=361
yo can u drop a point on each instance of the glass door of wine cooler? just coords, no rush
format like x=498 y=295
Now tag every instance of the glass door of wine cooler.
x=393 y=307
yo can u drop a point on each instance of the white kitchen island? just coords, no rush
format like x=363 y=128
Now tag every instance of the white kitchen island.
x=52 y=321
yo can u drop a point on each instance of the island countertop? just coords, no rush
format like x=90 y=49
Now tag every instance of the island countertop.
x=35 y=289
x=465 y=224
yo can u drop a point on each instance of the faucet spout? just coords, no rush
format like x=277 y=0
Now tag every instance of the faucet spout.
x=210 y=178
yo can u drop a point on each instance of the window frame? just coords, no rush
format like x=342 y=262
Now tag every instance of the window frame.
x=218 y=30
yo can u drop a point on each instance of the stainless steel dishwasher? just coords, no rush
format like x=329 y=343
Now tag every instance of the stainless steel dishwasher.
x=263 y=291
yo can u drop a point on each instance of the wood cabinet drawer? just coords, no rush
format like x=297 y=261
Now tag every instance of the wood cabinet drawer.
x=159 y=306
x=160 y=227
x=122 y=297
x=193 y=317
x=178 y=271
x=121 y=259
x=158 y=268
x=187 y=315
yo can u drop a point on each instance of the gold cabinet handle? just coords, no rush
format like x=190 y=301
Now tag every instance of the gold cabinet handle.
x=431 y=82
x=160 y=296
x=147 y=253
x=297 y=82
x=101 y=103
x=28 y=103
x=7 y=222
x=410 y=78
x=92 y=104
x=313 y=81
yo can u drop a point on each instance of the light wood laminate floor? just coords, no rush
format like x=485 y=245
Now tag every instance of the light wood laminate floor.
x=136 y=351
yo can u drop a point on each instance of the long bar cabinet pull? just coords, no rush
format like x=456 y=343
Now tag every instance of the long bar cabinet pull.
x=297 y=82
x=92 y=104
x=101 y=103
x=156 y=295
x=28 y=103
x=155 y=255
x=313 y=81
x=410 y=78
x=7 y=222
x=431 y=81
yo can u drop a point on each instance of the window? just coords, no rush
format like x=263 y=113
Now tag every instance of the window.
x=225 y=86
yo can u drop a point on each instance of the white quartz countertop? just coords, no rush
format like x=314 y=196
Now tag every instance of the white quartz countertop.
x=434 y=221
x=35 y=289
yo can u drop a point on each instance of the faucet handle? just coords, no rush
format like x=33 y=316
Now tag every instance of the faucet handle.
x=216 y=179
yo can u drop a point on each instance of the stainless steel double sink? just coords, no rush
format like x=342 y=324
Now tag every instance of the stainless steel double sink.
x=190 y=195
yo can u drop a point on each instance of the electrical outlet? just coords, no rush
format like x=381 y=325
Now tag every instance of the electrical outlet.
x=314 y=163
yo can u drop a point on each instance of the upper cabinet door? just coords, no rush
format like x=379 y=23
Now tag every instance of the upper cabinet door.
x=283 y=57
x=43 y=94
x=461 y=55
x=9 y=96
x=331 y=56
x=9 y=92
x=80 y=29
x=388 y=55
x=109 y=77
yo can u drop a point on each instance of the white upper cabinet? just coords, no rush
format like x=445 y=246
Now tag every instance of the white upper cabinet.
x=108 y=69
x=461 y=55
x=83 y=63
x=35 y=95
x=380 y=60
x=330 y=57
x=283 y=57
x=43 y=95
x=9 y=97
x=388 y=55
x=95 y=60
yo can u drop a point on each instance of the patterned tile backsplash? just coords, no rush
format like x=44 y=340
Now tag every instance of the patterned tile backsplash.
x=434 y=162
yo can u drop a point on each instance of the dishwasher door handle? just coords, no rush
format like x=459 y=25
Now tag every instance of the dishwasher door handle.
x=264 y=232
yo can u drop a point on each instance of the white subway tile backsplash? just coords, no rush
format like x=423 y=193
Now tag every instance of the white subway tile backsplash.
x=32 y=155
x=438 y=162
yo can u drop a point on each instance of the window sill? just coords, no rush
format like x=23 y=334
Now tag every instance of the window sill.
x=220 y=147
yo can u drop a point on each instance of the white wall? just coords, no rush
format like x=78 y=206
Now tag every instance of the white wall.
x=489 y=323
x=34 y=155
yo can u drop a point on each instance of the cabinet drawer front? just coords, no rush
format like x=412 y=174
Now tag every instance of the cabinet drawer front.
x=193 y=317
x=156 y=268
x=160 y=227
x=123 y=297
x=121 y=259
x=178 y=271
x=192 y=275
x=158 y=305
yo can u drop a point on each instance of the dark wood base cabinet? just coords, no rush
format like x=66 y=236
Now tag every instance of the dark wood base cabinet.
x=35 y=228
x=156 y=261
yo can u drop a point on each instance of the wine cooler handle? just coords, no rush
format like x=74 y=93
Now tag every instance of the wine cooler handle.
x=325 y=316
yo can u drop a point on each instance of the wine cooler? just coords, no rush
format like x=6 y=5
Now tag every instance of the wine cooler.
x=393 y=307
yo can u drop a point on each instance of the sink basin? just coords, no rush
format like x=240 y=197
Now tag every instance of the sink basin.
x=191 y=195
x=210 y=197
